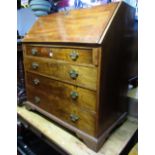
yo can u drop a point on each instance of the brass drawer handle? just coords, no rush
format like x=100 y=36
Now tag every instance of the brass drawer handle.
x=36 y=100
x=74 y=117
x=34 y=65
x=36 y=81
x=34 y=51
x=74 y=95
x=74 y=55
x=73 y=74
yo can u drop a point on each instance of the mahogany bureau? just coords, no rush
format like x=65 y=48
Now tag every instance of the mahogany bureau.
x=76 y=69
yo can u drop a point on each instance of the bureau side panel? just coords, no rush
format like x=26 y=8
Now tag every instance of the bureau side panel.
x=114 y=69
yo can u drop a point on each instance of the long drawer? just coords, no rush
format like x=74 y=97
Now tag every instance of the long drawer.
x=67 y=112
x=85 y=56
x=83 y=76
x=67 y=94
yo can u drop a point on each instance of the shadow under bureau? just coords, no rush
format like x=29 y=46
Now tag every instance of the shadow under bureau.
x=76 y=69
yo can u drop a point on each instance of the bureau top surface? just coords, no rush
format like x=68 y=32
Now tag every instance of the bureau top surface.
x=77 y=26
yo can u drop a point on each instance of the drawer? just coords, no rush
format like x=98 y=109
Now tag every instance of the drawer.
x=79 y=118
x=67 y=94
x=75 y=55
x=75 y=74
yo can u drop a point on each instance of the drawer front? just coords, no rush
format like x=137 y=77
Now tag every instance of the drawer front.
x=81 y=119
x=65 y=54
x=82 y=98
x=79 y=75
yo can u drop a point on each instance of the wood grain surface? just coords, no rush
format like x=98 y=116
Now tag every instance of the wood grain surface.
x=63 y=110
x=60 y=93
x=79 y=26
x=85 y=56
x=86 y=75
x=114 y=61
